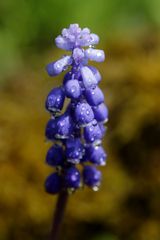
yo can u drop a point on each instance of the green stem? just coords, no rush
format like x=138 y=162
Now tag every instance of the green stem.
x=58 y=215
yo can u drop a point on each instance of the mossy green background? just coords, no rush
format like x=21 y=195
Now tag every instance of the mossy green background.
x=127 y=204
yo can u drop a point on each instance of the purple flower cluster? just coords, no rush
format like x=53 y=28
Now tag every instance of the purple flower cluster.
x=76 y=132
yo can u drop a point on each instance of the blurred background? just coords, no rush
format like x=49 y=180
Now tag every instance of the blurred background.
x=127 y=206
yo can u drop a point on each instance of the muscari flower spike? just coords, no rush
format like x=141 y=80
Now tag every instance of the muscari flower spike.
x=76 y=133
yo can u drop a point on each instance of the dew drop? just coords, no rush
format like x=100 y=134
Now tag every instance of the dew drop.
x=98 y=54
x=94 y=123
x=58 y=65
x=58 y=99
x=91 y=129
x=95 y=188
x=61 y=124
x=74 y=161
x=105 y=121
x=103 y=163
x=61 y=136
x=73 y=89
x=76 y=153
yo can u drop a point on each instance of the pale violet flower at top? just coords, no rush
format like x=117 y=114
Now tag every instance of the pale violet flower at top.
x=74 y=36
x=74 y=39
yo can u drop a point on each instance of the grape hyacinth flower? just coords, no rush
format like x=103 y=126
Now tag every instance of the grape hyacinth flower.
x=77 y=132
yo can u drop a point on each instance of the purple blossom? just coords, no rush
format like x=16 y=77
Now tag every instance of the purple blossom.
x=76 y=133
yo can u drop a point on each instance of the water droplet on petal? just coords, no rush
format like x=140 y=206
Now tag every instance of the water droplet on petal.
x=73 y=89
x=91 y=129
x=103 y=163
x=95 y=188
x=94 y=123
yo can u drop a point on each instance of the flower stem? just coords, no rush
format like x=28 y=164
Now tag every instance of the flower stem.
x=58 y=215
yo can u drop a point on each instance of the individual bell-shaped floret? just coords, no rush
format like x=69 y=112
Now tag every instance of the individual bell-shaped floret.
x=63 y=43
x=55 y=156
x=72 y=178
x=55 y=100
x=58 y=66
x=78 y=55
x=73 y=29
x=96 y=73
x=92 y=177
x=101 y=112
x=96 y=155
x=89 y=80
x=74 y=150
x=64 y=126
x=83 y=113
x=72 y=89
x=51 y=129
x=94 y=39
x=92 y=133
x=53 y=183
x=85 y=38
x=94 y=96
x=95 y=55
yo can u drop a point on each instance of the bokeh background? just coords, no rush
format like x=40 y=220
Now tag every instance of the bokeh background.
x=127 y=206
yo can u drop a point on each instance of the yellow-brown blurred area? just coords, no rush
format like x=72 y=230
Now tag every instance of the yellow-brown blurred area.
x=127 y=206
